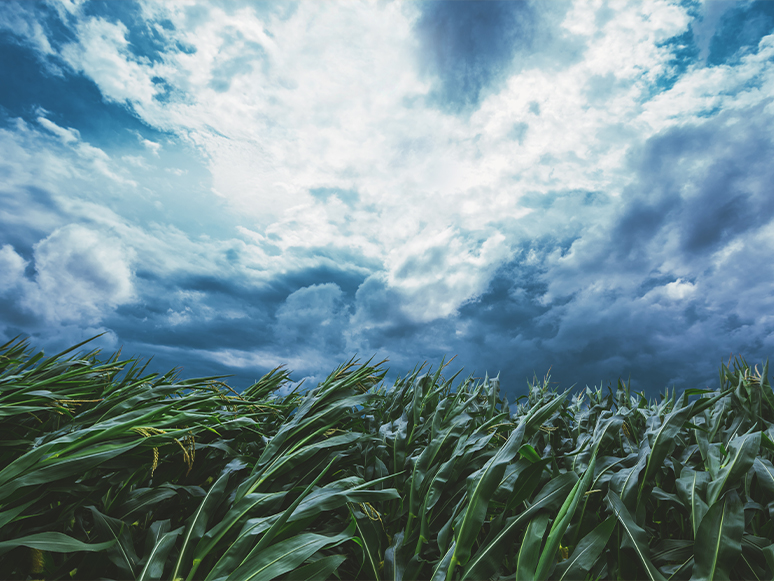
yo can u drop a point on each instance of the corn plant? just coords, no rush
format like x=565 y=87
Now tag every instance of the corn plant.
x=107 y=472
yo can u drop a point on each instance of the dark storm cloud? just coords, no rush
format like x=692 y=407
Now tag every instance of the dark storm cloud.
x=699 y=190
x=18 y=204
x=349 y=281
x=470 y=45
x=379 y=314
x=176 y=320
x=303 y=307
x=638 y=225
x=712 y=184
x=640 y=297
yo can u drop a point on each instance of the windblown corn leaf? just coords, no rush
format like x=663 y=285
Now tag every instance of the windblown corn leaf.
x=107 y=472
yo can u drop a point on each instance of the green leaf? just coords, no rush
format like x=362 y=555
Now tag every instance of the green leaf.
x=248 y=503
x=742 y=453
x=529 y=453
x=671 y=550
x=691 y=486
x=634 y=536
x=54 y=542
x=486 y=561
x=470 y=445
x=439 y=573
x=122 y=554
x=161 y=541
x=33 y=468
x=320 y=569
x=547 y=558
x=529 y=551
x=396 y=558
x=525 y=484
x=332 y=496
x=141 y=500
x=586 y=552
x=624 y=482
x=765 y=472
x=369 y=541
x=663 y=444
x=481 y=493
x=9 y=516
x=535 y=418
x=254 y=556
x=271 y=562
x=719 y=539
x=427 y=459
x=198 y=521
x=289 y=460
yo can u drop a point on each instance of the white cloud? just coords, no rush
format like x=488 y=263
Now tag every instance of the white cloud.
x=673 y=291
x=81 y=275
x=313 y=99
x=314 y=316
x=13 y=18
x=98 y=159
x=176 y=318
x=284 y=105
x=152 y=146
x=704 y=90
x=67 y=135
x=102 y=53
x=136 y=161
x=12 y=268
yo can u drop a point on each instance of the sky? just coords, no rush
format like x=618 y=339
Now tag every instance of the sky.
x=228 y=186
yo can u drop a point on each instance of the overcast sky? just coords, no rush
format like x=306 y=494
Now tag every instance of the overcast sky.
x=230 y=186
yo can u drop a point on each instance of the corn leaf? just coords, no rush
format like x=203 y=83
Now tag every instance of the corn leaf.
x=529 y=551
x=719 y=539
x=634 y=536
x=586 y=552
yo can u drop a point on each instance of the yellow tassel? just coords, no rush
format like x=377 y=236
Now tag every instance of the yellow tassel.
x=37 y=561
x=565 y=552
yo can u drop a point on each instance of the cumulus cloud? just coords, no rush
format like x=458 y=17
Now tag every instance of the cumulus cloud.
x=313 y=316
x=80 y=274
x=584 y=185
x=12 y=266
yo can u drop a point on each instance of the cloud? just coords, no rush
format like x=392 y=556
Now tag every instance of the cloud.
x=15 y=19
x=313 y=316
x=469 y=46
x=102 y=53
x=742 y=25
x=66 y=135
x=236 y=185
x=80 y=274
x=12 y=266
x=437 y=273
x=97 y=157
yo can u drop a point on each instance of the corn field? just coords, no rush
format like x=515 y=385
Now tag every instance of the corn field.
x=107 y=472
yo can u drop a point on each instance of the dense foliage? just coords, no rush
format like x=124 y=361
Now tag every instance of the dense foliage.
x=106 y=473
